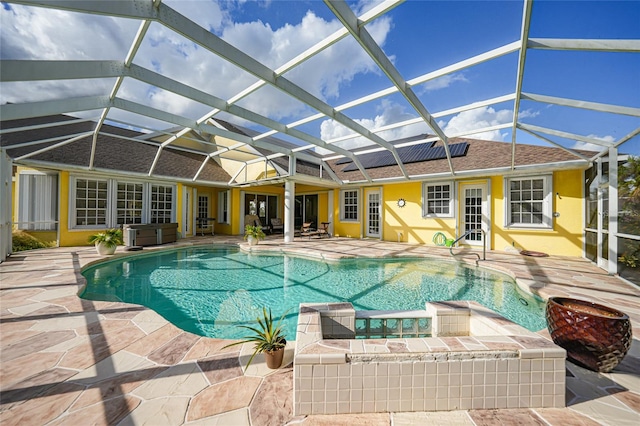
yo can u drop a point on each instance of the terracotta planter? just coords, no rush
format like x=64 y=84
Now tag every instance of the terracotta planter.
x=103 y=249
x=274 y=358
x=595 y=336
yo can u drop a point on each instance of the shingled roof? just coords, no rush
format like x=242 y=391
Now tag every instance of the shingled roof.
x=112 y=152
x=483 y=156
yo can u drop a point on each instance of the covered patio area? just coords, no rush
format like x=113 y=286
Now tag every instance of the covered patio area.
x=66 y=360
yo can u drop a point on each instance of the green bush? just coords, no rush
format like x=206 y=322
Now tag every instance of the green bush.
x=23 y=241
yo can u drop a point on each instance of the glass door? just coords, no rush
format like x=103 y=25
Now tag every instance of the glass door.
x=261 y=205
x=306 y=210
x=373 y=214
x=474 y=213
x=597 y=217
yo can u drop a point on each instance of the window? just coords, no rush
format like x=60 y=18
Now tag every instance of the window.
x=161 y=203
x=91 y=202
x=38 y=206
x=349 y=200
x=107 y=203
x=529 y=202
x=223 y=207
x=438 y=199
x=203 y=206
x=129 y=203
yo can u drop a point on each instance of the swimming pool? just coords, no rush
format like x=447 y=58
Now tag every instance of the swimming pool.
x=210 y=291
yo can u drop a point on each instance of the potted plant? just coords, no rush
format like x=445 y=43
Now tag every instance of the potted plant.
x=253 y=233
x=268 y=338
x=107 y=241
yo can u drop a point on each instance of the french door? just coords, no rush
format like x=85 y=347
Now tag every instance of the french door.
x=374 y=214
x=475 y=213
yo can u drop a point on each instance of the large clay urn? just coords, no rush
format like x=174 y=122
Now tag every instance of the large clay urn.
x=595 y=336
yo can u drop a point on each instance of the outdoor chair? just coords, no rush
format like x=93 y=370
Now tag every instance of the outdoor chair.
x=323 y=230
x=277 y=225
x=307 y=230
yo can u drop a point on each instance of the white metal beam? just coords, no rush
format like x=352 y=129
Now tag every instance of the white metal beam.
x=368 y=16
x=135 y=45
x=444 y=113
x=360 y=33
x=134 y=9
x=41 y=141
x=475 y=60
x=628 y=137
x=565 y=135
x=524 y=37
x=593 y=106
x=54 y=146
x=34 y=70
x=54 y=107
x=596 y=45
x=45 y=125
x=569 y=150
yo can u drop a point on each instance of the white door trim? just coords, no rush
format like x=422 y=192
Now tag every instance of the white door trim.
x=485 y=213
x=373 y=216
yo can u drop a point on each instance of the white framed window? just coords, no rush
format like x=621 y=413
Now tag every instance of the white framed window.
x=438 y=199
x=223 y=207
x=161 y=203
x=528 y=202
x=203 y=206
x=38 y=201
x=349 y=205
x=129 y=197
x=91 y=200
x=98 y=203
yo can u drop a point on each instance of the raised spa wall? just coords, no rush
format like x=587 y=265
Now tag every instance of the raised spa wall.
x=475 y=359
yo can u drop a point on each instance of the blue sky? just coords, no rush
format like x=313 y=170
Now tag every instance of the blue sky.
x=418 y=36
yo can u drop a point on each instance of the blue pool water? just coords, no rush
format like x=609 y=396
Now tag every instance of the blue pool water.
x=210 y=291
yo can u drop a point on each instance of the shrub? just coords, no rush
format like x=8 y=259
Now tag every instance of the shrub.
x=23 y=241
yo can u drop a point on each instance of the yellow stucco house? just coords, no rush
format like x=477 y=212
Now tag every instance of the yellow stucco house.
x=67 y=192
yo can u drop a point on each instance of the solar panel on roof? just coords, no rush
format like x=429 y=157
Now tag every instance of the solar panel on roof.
x=409 y=154
x=344 y=160
x=407 y=151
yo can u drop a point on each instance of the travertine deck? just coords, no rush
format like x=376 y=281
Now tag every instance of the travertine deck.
x=70 y=361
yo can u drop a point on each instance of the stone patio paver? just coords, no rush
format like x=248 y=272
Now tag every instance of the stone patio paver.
x=160 y=411
x=182 y=379
x=65 y=360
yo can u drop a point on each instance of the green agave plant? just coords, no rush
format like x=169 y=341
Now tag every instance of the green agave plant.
x=268 y=335
x=110 y=237
x=254 y=231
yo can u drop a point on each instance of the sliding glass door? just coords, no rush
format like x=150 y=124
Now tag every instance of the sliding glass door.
x=262 y=205
x=306 y=210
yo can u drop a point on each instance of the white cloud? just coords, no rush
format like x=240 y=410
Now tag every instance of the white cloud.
x=442 y=82
x=476 y=119
x=206 y=13
x=34 y=33
x=393 y=113
x=592 y=146
x=389 y=113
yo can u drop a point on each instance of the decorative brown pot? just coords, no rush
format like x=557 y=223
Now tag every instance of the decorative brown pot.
x=274 y=358
x=596 y=337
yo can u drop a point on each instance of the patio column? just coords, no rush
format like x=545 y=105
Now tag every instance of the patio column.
x=289 y=210
x=613 y=211
x=6 y=198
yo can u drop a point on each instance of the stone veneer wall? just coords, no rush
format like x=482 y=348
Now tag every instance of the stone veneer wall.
x=505 y=366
